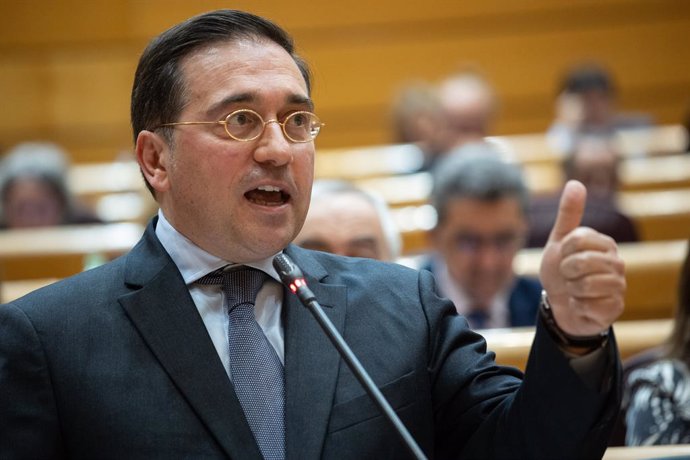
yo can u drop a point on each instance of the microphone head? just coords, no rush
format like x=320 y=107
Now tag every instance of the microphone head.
x=287 y=269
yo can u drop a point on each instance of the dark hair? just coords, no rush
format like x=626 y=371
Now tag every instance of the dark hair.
x=477 y=172
x=587 y=77
x=159 y=89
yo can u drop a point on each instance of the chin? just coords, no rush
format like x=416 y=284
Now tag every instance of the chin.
x=270 y=246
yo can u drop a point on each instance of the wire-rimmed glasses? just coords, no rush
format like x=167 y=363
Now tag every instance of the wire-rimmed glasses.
x=245 y=125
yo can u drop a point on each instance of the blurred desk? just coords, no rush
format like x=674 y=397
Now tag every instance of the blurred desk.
x=372 y=161
x=658 y=214
x=512 y=345
x=652 y=173
x=652 y=270
x=103 y=178
x=11 y=290
x=681 y=451
x=58 y=252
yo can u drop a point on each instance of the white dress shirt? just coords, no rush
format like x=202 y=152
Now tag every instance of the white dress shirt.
x=194 y=263
x=498 y=311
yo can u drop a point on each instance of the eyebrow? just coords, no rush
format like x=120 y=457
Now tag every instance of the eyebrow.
x=297 y=99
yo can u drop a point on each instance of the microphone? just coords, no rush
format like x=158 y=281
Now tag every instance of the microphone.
x=292 y=277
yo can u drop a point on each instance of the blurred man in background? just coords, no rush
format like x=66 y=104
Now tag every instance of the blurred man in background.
x=481 y=202
x=349 y=221
x=34 y=189
x=470 y=106
x=594 y=161
x=587 y=103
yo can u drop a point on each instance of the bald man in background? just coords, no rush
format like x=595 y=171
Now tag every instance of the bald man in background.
x=349 y=221
x=470 y=106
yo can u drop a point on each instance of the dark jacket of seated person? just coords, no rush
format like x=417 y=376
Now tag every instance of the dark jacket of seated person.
x=594 y=161
x=601 y=214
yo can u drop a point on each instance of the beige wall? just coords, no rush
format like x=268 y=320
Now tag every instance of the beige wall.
x=66 y=66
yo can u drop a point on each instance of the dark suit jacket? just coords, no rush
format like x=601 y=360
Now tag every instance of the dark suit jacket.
x=523 y=302
x=116 y=363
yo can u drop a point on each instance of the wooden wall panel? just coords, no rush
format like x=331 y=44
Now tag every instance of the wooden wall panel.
x=66 y=67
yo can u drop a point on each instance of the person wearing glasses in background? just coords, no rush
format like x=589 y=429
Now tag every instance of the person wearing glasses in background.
x=481 y=204
x=189 y=346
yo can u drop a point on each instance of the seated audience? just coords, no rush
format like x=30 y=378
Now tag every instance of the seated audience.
x=586 y=102
x=594 y=161
x=657 y=384
x=34 y=191
x=470 y=106
x=469 y=103
x=418 y=118
x=345 y=220
x=481 y=202
x=441 y=119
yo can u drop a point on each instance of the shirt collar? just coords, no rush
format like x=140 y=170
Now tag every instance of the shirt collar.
x=498 y=306
x=192 y=261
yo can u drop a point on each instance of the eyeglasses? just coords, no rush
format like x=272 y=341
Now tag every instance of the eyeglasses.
x=245 y=125
x=504 y=243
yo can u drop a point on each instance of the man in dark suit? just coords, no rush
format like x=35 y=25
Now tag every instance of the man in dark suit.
x=481 y=203
x=139 y=358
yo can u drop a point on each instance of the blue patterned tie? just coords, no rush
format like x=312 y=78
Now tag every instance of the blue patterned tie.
x=256 y=370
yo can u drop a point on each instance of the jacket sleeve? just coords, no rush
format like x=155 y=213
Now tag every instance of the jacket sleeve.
x=29 y=426
x=483 y=410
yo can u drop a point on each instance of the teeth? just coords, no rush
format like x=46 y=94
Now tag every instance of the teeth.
x=268 y=188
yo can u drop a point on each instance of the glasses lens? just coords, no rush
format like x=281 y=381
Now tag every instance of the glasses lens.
x=244 y=125
x=302 y=126
x=503 y=243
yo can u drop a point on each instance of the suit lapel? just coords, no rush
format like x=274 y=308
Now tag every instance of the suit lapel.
x=311 y=362
x=165 y=316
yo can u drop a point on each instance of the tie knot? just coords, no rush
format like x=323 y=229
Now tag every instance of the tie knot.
x=240 y=285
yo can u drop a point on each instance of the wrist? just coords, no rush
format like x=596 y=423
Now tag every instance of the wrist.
x=571 y=344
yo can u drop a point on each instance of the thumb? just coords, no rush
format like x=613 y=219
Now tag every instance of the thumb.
x=570 y=210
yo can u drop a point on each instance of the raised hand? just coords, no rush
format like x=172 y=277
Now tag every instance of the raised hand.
x=581 y=271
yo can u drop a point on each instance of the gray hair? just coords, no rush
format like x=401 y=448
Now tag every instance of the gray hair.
x=477 y=173
x=325 y=187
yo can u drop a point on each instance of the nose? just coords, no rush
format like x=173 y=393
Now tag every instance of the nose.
x=273 y=147
x=488 y=257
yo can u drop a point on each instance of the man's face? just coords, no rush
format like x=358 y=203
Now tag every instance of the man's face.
x=32 y=202
x=241 y=201
x=595 y=165
x=597 y=107
x=479 y=240
x=345 y=224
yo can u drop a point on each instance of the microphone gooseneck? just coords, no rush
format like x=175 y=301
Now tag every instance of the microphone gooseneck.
x=292 y=277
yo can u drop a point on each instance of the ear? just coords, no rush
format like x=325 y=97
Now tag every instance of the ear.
x=153 y=156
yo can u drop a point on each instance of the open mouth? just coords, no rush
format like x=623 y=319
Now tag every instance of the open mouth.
x=267 y=195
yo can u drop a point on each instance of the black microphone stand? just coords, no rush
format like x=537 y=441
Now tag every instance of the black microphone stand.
x=292 y=277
